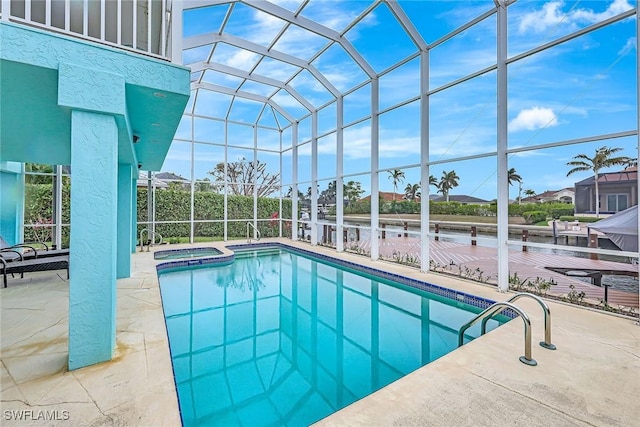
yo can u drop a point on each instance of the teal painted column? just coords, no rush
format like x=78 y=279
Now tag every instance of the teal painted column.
x=11 y=201
x=134 y=216
x=94 y=208
x=124 y=221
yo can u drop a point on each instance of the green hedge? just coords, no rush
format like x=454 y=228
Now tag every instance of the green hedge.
x=533 y=217
x=171 y=205
x=553 y=209
x=560 y=212
x=457 y=208
x=572 y=218
x=38 y=209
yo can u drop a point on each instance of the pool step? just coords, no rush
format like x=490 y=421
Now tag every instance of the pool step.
x=254 y=253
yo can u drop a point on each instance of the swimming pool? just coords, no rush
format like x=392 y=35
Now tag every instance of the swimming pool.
x=280 y=338
x=185 y=253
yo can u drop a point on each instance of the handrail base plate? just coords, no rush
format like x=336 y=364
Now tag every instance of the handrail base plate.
x=547 y=346
x=530 y=362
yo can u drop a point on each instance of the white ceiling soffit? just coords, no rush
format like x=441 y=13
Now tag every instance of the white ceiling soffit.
x=208 y=38
x=314 y=27
x=245 y=95
x=201 y=66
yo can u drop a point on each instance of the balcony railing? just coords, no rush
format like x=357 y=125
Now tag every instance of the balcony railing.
x=141 y=26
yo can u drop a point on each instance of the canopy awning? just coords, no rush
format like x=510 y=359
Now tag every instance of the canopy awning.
x=621 y=228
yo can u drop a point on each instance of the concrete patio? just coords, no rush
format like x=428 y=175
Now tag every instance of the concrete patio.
x=592 y=379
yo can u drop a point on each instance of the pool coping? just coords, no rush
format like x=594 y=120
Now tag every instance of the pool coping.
x=190 y=250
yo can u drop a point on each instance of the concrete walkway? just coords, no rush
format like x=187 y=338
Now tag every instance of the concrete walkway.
x=592 y=379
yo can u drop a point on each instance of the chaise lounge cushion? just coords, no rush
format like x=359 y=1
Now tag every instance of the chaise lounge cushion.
x=28 y=250
x=35 y=264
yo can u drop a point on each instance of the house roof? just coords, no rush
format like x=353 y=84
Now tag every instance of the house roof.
x=628 y=174
x=386 y=196
x=143 y=181
x=549 y=194
x=169 y=176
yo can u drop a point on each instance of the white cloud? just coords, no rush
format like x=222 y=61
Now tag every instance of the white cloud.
x=357 y=142
x=527 y=154
x=552 y=15
x=298 y=42
x=540 y=20
x=286 y=101
x=257 y=26
x=533 y=118
x=629 y=46
x=338 y=14
x=241 y=59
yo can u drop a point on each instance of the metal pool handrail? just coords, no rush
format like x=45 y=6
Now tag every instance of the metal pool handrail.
x=249 y=224
x=547 y=318
x=526 y=359
x=151 y=242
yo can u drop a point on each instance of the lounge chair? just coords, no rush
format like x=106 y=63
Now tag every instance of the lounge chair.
x=28 y=250
x=31 y=265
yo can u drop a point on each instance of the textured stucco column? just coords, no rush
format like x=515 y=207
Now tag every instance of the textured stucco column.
x=134 y=214
x=124 y=221
x=94 y=208
x=11 y=201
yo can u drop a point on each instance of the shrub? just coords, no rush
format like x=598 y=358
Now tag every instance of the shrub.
x=533 y=217
x=583 y=219
x=556 y=213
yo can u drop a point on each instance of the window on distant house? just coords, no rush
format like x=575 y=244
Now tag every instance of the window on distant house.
x=616 y=202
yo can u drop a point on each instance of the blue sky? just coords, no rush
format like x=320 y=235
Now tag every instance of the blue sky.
x=580 y=88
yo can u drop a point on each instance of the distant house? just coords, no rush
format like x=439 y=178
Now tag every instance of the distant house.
x=463 y=199
x=566 y=195
x=161 y=179
x=169 y=177
x=143 y=181
x=617 y=190
x=386 y=197
x=172 y=180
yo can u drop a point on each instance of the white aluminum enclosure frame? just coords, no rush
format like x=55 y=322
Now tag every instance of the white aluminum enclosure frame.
x=501 y=68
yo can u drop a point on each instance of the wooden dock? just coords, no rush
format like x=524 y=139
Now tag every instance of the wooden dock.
x=455 y=257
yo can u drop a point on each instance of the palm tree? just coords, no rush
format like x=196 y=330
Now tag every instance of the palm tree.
x=447 y=182
x=433 y=181
x=512 y=176
x=398 y=177
x=529 y=192
x=412 y=192
x=602 y=159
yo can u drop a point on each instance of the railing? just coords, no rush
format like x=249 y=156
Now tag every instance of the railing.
x=250 y=225
x=141 y=26
x=547 y=318
x=498 y=307
x=526 y=359
x=149 y=242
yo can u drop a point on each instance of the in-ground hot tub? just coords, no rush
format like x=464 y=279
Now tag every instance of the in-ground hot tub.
x=186 y=253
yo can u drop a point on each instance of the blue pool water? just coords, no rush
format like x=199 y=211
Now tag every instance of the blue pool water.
x=277 y=338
